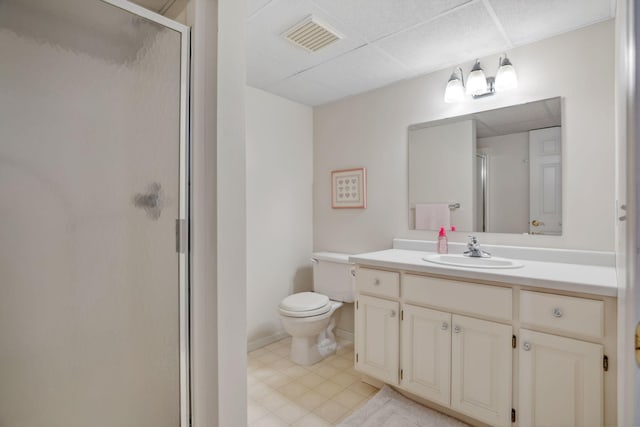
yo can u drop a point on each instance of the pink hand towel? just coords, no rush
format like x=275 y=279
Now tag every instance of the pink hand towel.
x=432 y=216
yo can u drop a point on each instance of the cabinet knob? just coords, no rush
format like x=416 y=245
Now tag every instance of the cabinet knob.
x=376 y=282
x=444 y=326
x=526 y=346
x=457 y=329
x=393 y=313
x=557 y=312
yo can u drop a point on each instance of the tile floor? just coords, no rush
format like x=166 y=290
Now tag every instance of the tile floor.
x=281 y=393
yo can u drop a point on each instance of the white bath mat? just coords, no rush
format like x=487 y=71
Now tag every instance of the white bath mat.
x=389 y=408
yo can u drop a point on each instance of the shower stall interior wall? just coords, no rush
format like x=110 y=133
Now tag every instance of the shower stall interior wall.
x=93 y=153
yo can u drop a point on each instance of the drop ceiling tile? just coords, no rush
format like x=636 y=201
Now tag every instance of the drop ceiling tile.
x=377 y=18
x=255 y=5
x=263 y=71
x=305 y=90
x=526 y=21
x=266 y=26
x=358 y=71
x=466 y=33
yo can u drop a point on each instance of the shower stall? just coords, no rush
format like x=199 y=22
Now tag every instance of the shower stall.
x=93 y=212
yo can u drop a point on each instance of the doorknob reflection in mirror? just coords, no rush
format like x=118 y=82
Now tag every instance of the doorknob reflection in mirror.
x=537 y=223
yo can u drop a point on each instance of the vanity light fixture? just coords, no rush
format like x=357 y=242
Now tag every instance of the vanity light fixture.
x=455 y=87
x=506 y=77
x=477 y=81
x=478 y=84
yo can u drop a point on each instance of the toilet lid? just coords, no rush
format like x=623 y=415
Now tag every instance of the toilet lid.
x=305 y=302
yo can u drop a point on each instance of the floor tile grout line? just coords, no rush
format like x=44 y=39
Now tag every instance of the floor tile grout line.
x=327 y=407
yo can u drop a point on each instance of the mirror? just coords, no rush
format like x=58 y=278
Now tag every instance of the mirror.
x=496 y=171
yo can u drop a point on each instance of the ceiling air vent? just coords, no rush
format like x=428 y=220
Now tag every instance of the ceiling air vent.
x=311 y=34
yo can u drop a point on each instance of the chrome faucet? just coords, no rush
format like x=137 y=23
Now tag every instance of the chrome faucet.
x=474 y=249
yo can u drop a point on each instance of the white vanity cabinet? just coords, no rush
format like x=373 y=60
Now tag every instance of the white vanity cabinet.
x=426 y=353
x=481 y=365
x=378 y=338
x=455 y=360
x=560 y=381
x=458 y=361
x=377 y=322
x=499 y=354
x=561 y=378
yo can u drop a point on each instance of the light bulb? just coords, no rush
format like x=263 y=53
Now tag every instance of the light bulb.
x=455 y=89
x=477 y=81
x=506 y=77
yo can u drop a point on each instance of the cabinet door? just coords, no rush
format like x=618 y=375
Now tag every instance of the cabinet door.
x=481 y=357
x=377 y=338
x=426 y=353
x=560 y=381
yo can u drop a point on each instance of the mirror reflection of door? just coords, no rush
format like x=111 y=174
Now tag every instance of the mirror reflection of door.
x=545 y=203
x=514 y=194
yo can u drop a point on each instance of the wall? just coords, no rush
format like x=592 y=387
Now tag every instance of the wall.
x=218 y=217
x=231 y=218
x=279 y=209
x=507 y=181
x=370 y=130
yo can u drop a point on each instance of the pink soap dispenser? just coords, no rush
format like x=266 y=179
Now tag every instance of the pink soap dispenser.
x=443 y=245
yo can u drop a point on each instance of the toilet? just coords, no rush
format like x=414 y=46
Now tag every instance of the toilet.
x=310 y=317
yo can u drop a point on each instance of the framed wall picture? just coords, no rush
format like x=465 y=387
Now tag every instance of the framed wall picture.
x=349 y=188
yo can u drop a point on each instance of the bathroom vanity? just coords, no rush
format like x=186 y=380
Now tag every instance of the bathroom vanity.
x=529 y=346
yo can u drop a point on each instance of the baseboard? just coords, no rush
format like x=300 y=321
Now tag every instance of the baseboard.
x=341 y=333
x=264 y=341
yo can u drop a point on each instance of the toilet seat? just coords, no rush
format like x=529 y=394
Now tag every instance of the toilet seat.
x=305 y=304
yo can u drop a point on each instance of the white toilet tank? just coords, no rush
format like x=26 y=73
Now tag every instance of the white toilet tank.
x=332 y=276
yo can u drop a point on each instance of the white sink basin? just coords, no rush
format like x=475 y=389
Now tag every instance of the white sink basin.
x=458 y=260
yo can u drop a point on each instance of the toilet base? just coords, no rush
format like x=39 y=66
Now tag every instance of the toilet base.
x=304 y=351
x=312 y=337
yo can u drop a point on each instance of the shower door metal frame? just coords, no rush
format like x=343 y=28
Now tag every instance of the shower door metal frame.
x=183 y=250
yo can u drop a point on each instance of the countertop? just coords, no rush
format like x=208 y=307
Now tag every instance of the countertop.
x=589 y=279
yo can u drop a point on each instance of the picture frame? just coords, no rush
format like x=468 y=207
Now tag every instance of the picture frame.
x=349 y=188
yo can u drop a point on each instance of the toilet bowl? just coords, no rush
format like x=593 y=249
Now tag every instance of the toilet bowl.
x=310 y=317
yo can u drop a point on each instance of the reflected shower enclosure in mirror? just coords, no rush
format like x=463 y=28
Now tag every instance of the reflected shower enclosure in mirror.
x=497 y=171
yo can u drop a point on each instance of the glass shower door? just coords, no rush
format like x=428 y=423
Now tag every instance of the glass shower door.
x=93 y=306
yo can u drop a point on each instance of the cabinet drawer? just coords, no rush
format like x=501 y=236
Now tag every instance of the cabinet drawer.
x=378 y=282
x=490 y=301
x=562 y=313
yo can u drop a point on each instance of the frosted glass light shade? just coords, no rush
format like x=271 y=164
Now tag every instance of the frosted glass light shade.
x=506 y=78
x=477 y=81
x=454 y=91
